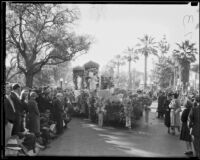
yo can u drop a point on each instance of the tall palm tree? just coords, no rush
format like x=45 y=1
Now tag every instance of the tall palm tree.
x=118 y=61
x=147 y=46
x=130 y=55
x=185 y=55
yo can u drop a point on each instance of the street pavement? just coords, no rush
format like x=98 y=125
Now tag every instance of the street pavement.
x=84 y=138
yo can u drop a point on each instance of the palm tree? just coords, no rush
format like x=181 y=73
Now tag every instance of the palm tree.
x=147 y=46
x=118 y=61
x=130 y=55
x=185 y=55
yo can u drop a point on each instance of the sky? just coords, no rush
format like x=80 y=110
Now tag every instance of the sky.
x=118 y=26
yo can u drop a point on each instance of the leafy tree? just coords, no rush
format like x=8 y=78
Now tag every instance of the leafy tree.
x=147 y=46
x=165 y=67
x=185 y=55
x=43 y=78
x=11 y=70
x=164 y=70
x=40 y=35
x=130 y=55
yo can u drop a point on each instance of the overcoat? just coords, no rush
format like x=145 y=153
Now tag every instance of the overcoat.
x=34 y=117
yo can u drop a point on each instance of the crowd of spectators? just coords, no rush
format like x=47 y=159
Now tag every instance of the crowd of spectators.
x=34 y=117
x=181 y=113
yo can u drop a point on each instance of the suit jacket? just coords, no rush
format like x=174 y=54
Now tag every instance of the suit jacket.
x=17 y=103
x=9 y=112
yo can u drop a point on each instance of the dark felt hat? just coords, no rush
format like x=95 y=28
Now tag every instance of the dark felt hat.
x=15 y=86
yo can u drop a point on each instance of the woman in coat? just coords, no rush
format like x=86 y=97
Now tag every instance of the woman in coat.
x=59 y=111
x=167 y=112
x=194 y=125
x=34 y=114
x=175 y=113
x=185 y=132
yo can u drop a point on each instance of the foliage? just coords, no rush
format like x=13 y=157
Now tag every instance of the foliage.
x=114 y=113
x=106 y=82
x=185 y=55
x=165 y=71
x=40 y=34
x=42 y=78
x=147 y=46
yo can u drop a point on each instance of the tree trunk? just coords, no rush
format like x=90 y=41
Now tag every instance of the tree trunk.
x=185 y=71
x=145 y=71
x=29 y=80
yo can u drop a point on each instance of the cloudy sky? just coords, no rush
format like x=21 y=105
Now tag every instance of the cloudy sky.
x=115 y=27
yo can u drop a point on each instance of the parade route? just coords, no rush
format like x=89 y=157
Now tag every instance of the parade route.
x=84 y=138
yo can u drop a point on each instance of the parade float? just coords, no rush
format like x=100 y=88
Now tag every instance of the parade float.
x=88 y=88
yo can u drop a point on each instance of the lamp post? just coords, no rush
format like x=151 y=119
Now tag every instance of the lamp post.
x=61 y=81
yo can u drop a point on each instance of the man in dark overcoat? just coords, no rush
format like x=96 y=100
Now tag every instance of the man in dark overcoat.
x=58 y=109
x=15 y=97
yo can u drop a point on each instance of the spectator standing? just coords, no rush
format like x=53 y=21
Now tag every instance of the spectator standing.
x=10 y=115
x=185 y=133
x=58 y=108
x=167 y=119
x=160 y=108
x=24 y=103
x=15 y=97
x=175 y=113
x=34 y=114
x=194 y=125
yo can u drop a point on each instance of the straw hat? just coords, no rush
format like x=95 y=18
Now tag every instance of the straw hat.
x=12 y=144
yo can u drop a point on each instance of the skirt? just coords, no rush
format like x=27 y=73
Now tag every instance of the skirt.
x=185 y=133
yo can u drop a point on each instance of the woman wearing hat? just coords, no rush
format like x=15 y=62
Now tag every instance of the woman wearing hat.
x=185 y=133
x=34 y=114
x=194 y=125
x=175 y=113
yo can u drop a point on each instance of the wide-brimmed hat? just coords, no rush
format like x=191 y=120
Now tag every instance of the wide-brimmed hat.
x=12 y=144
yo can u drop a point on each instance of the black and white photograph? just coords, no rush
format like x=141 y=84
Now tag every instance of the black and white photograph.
x=100 y=79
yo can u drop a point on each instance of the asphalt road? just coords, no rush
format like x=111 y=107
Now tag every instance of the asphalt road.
x=84 y=138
